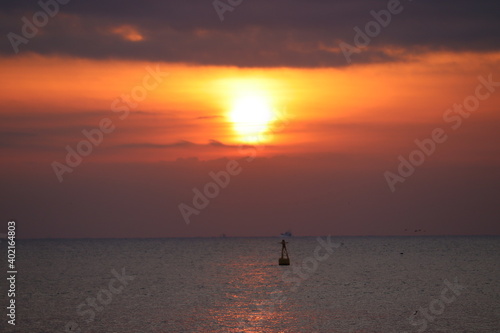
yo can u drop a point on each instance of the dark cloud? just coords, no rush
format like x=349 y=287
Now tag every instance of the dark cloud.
x=52 y=131
x=177 y=144
x=295 y=33
x=180 y=144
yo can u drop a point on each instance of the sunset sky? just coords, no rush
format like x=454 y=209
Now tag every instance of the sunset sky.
x=314 y=134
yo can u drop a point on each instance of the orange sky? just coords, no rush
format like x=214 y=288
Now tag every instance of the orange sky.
x=325 y=109
x=333 y=133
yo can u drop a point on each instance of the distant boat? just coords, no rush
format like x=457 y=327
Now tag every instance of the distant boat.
x=286 y=234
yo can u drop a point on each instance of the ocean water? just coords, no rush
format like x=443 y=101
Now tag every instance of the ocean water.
x=345 y=284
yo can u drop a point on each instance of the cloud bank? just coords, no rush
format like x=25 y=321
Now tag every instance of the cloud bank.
x=257 y=33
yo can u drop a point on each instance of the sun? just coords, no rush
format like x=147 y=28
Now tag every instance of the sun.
x=251 y=115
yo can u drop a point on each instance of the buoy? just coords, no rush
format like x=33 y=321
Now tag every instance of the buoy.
x=284 y=260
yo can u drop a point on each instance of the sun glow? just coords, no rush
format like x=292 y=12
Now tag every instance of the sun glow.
x=251 y=114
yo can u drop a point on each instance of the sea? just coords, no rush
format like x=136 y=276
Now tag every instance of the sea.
x=225 y=284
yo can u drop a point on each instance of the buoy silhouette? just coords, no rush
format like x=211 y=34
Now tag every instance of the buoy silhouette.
x=284 y=260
